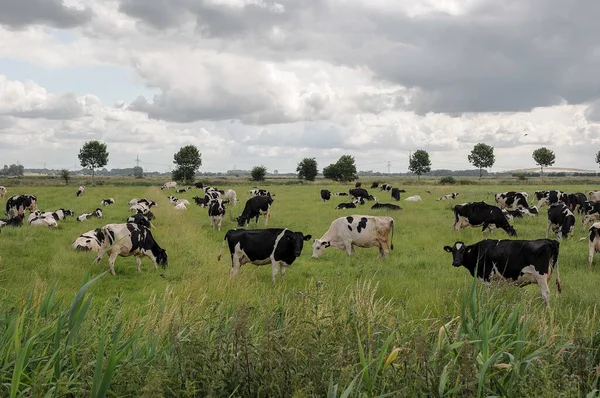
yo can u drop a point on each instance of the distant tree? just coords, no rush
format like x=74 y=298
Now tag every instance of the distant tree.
x=188 y=161
x=482 y=156
x=343 y=170
x=419 y=163
x=258 y=173
x=307 y=169
x=598 y=158
x=138 y=172
x=543 y=157
x=93 y=155
x=65 y=175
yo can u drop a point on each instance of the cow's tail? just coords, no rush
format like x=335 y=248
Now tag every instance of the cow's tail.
x=223 y=246
x=555 y=251
x=392 y=241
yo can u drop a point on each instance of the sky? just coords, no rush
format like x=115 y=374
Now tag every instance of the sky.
x=269 y=82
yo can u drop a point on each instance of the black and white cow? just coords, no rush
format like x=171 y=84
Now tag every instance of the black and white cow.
x=475 y=214
x=325 y=195
x=521 y=261
x=107 y=202
x=182 y=190
x=512 y=200
x=60 y=214
x=208 y=196
x=17 y=204
x=386 y=206
x=385 y=187
x=276 y=246
x=591 y=207
x=340 y=194
x=396 y=193
x=561 y=219
x=448 y=197
x=255 y=207
x=146 y=202
x=140 y=219
x=576 y=201
x=80 y=190
x=552 y=197
x=216 y=211
x=539 y=195
x=594 y=243
x=96 y=213
x=89 y=241
x=345 y=206
x=594 y=195
x=359 y=201
x=40 y=221
x=260 y=192
x=16 y=221
x=130 y=240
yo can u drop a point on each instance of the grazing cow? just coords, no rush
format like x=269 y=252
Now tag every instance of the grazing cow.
x=231 y=196
x=340 y=194
x=385 y=187
x=591 y=207
x=594 y=195
x=448 y=197
x=362 y=231
x=80 y=190
x=3 y=191
x=169 y=185
x=255 y=207
x=386 y=206
x=512 y=200
x=374 y=185
x=396 y=193
x=208 y=196
x=475 y=214
x=130 y=240
x=594 y=243
x=553 y=197
x=140 y=219
x=16 y=221
x=40 y=221
x=216 y=211
x=414 y=198
x=107 y=202
x=358 y=184
x=89 y=241
x=561 y=219
x=19 y=203
x=576 y=201
x=325 y=195
x=277 y=246
x=361 y=193
x=180 y=206
x=199 y=185
x=345 y=206
x=522 y=261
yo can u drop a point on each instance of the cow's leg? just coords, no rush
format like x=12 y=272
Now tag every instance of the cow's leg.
x=282 y=268
x=220 y=221
x=267 y=216
x=274 y=268
x=542 y=282
x=548 y=228
x=383 y=249
x=235 y=265
x=591 y=251
x=138 y=261
x=111 y=261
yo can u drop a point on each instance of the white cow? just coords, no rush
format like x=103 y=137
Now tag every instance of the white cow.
x=356 y=230
x=169 y=185
x=414 y=198
x=89 y=241
x=592 y=195
x=231 y=196
x=3 y=191
x=180 y=206
x=139 y=207
x=42 y=221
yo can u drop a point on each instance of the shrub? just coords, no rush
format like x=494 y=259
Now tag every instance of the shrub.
x=448 y=180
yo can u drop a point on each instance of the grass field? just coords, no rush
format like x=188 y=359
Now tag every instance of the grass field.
x=360 y=323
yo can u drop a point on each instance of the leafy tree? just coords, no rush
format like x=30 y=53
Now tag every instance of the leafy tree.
x=15 y=170
x=65 y=175
x=138 y=172
x=482 y=156
x=258 y=173
x=93 y=155
x=598 y=158
x=543 y=157
x=188 y=161
x=343 y=170
x=307 y=169
x=419 y=163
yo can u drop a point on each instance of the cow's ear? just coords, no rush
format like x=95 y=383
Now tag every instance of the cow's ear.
x=448 y=249
x=307 y=237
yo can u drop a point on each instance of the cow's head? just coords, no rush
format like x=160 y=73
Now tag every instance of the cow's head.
x=510 y=230
x=241 y=220
x=296 y=240
x=319 y=247
x=566 y=227
x=458 y=251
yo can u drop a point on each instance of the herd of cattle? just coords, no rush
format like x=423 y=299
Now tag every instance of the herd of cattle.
x=521 y=261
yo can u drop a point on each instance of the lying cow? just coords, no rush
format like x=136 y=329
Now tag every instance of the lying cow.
x=89 y=241
x=199 y=185
x=345 y=206
x=216 y=211
x=182 y=190
x=60 y=214
x=340 y=194
x=16 y=221
x=396 y=193
x=325 y=195
x=521 y=261
x=107 y=202
x=276 y=246
x=39 y=221
x=17 y=204
x=255 y=207
x=512 y=200
x=362 y=231
x=386 y=206
x=448 y=197
x=475 y=214
x=414 y=198
x=96 y=213
x=561 y=219
x=130 y=240
x=180 y=206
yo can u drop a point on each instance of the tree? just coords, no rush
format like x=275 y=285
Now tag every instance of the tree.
x=188 y=161
x=65 y=175
x=14 y=170
x=138 y=172
x=307 y=169
x=343 y=170
x=93 y=155
x=482 y=156
x=258 y=173
x=543 y=157
x=419 y=163
x=598 y=158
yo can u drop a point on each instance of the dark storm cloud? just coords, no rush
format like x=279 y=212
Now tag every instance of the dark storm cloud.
x=499 y=56
x=17 y=14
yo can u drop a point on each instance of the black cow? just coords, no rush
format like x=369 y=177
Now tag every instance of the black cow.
x=521 y=261
x=561 y=219
x=276 y=246
x=475 y=214
x=591 y=207
x=199 y=185
x=140 y=219
x=358 y=184
x=539 y=195
x=345 y=206
x=375 y=185
x=512 y=200
x=361 y=193
x=17 y=204
x=396 y=193
x=386 y=206
x=325 y=195
x=254 y=208
x=385 y=187
x=575 y=201
x=16 y=221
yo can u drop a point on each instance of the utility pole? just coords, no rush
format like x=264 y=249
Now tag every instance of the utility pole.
x=389 y=163
x=137 y=161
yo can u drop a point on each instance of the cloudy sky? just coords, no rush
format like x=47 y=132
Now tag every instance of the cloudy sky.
x=272 y=81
